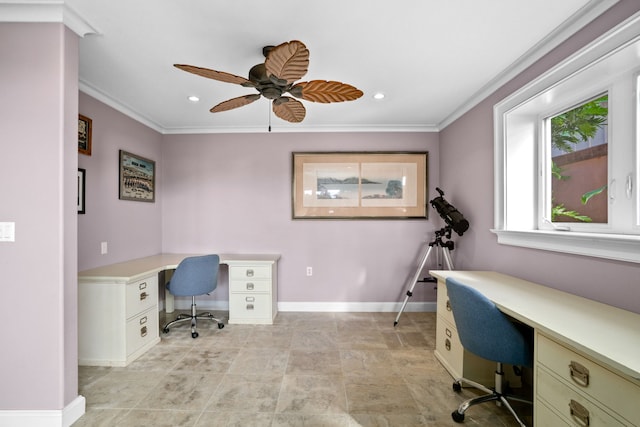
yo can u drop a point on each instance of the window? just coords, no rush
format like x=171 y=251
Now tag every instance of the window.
x=566 y=154
x=574 y=151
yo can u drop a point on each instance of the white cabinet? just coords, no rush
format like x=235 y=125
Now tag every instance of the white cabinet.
x=253 y=291
x=586 y=364
x=449 y=351
x=117 y=322
x=580 y=391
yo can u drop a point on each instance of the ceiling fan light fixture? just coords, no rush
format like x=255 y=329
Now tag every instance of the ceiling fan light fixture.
x=193 y=98
x=378 y=95
x=283 y=66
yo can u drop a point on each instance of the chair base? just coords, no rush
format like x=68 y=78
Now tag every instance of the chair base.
x=492 y=395
x=194 y=316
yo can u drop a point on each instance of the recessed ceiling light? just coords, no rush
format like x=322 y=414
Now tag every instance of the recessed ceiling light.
x=194 y=98
x=378 y=95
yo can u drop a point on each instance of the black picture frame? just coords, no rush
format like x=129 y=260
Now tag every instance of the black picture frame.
x=82 y=179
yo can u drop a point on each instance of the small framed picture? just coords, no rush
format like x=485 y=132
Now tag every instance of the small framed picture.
x=137 y=178
x=84 y=135
x=81 y=190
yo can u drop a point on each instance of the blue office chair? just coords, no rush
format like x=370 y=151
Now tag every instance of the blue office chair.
x=488 y=333
x=194 y=276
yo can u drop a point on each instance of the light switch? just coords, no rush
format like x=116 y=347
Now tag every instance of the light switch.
x=103 y=248
x=7 y=231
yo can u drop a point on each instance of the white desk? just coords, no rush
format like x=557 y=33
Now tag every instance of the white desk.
x=603 y=339
x=118 y=303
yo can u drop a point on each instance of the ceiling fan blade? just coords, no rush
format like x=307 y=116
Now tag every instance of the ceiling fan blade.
x=288 y=61
x=325 y=91
x=289 y=109
x=215 y=75
x=232 y=103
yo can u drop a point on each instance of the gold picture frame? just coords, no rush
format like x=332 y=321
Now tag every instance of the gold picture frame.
x=85 y=125
x=359 y=185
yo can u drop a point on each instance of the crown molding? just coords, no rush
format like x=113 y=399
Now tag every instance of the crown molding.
x=45 y=11
x=286 y=128
x=118 y=106
x=276 y=128
x=576 y=22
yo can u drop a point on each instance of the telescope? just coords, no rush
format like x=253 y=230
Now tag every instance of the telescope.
x=449 y=214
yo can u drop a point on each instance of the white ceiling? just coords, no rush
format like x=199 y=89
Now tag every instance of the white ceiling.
x=432 y=59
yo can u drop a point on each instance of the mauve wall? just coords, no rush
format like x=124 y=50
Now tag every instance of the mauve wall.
x=232 y=193
x=38 y=272
x=131 y=229
x=467 y=175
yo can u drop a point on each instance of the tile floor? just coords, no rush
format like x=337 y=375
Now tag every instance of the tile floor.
x=308 y=369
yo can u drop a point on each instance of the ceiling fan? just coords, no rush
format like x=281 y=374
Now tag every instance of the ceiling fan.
x=284 y=64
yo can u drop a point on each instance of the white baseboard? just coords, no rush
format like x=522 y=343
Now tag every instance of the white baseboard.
x=45 y=418
x=373 y=307
x=335 y=307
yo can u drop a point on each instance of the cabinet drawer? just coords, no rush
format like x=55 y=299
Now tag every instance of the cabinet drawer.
x=448 y=346
x=573 y=406
x=250 y=306
x=603 y=385
x=239 y=272
x=544 y=416
x=260 y=286
x=142 y=329
x=443 y=307
x=141 y=295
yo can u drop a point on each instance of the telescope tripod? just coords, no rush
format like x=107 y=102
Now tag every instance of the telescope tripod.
x=441 y=246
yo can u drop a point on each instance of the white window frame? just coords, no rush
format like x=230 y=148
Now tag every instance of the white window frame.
x=517 y=123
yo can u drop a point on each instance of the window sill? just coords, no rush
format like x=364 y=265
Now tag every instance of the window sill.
x=621 y=247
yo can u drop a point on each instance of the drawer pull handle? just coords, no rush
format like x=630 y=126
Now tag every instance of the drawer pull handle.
x=447 y=344
x=143 y=320
x=143 y=296
x=249 y=272
x=143 y=331
x=447 y=332
x=249 y=286
x=142 y=285
x=579 y=413
x=448 y=305
x=579 y=374
x=249 y=306
x=250 y=299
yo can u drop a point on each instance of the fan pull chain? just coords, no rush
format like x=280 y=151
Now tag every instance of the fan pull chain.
x=268 y=105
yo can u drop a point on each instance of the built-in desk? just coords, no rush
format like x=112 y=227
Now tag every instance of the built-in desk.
x=118 y=303
x=587 y=354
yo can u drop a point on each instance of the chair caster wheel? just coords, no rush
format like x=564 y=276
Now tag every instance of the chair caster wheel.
x=457 y=387
x=165 y=330
x=220 y=325
x=194 y=335
x=457 y=416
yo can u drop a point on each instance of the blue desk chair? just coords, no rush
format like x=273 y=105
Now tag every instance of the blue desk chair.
x=488 y=333
x=194 y=276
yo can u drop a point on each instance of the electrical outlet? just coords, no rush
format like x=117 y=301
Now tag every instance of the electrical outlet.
x=309 y=271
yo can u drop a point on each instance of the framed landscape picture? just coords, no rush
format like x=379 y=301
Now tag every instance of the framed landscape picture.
x=137 y=178
x=365 y=185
